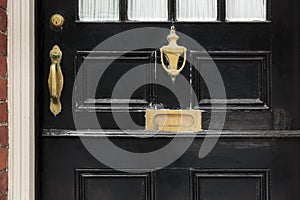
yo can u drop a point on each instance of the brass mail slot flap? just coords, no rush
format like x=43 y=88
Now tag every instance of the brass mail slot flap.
x=174 y=120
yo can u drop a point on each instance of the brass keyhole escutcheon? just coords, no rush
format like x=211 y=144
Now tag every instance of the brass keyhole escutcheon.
x=57 y=21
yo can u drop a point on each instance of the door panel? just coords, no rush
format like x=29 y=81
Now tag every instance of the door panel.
x=211 y=39
x=88 y=80
x=250 y=184
x=95 y=184
x=257 y=155
x=217 y=38
x=252 y=168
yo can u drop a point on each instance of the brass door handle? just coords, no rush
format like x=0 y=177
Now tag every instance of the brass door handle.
x=55 y=80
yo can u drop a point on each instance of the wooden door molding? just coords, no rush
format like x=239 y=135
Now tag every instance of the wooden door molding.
x=21 y=100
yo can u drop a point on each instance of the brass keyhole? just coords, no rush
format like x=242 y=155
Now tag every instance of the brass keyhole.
x=57 y=20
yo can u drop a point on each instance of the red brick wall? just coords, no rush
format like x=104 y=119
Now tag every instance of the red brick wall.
x=3 y=100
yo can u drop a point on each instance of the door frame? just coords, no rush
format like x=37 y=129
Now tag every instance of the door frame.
x=21 y=100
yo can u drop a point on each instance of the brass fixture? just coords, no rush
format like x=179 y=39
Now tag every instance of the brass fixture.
x=55 y=80
x=57 y=21
x=173 y=52
x=174 y=120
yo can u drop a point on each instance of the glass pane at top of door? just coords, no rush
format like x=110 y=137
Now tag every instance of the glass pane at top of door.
x=246 y=10
x=197 y=10
x=98 y=10
x=148 y=10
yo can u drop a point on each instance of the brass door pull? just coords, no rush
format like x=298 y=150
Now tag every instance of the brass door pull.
x=55 y=80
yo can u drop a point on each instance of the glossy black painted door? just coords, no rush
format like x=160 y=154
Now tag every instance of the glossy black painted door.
x=257 y=156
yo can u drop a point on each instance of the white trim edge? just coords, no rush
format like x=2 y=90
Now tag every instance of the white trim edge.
x=21 y=164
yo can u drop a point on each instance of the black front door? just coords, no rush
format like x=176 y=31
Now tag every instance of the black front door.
x=92 y=143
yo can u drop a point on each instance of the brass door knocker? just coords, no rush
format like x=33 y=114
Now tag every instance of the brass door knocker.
x=173 y=52
x=55 y=80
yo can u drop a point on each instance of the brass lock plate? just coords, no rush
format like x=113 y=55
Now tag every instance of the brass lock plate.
x=57 y=20
x=174 y=120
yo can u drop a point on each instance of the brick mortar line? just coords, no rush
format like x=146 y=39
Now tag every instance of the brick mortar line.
x=3 y=9
x=3 y=147
x=4 y=194
x=3 y=170
x=3 y=124
x=3 y=33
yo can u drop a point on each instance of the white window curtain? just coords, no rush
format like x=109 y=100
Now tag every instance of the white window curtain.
x=148 y=10
x=197 y=10
x=246 y=10
x=98 y=10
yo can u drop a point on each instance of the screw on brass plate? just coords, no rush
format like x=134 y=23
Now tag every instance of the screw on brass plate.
x=57 y=21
